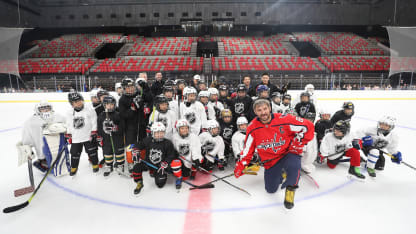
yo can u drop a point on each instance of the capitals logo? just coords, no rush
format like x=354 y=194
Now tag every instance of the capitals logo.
x=272 y=144
x=79 y=122
x=155 y=156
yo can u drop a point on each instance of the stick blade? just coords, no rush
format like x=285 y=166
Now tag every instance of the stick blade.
x=23 y=191
x=206 y=186
x=15 y=208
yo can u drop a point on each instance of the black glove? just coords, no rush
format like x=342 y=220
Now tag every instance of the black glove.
x=197 y=163
x=137 y=101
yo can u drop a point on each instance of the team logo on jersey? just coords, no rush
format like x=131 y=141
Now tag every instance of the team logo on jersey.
x=155 y=156
x=273 y=144
x=183 y=149
x=380 y=143
x=340 y=148
x=164 y=121
x=303 y=110
x=227 y=133
x=208 y=146
x=190 y=116
x=239 y=107
x=79 y=122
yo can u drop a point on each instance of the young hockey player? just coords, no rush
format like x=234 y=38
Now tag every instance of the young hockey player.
x=240 y=106
x=223 y=96
x=304 y=106
x=111 y=129
x=82 y=131
x=286 y=103
x=32 y=134
x=212 y=146
x=188 y=147
x=192 y=110
x=345 y=114
x=95 y=101
x=119 y=91
x=310 y=151
x=203 y=97
x=160 y=153
x=262 y=92
x=164 y=115
x=169 y=93
x=279 y=140
x=383 y=139
x=239 y=136
x=311 y=90
x=213 y=101
x=323 y=125
x=228 y=128
x=276 y=102
x=129 y=114
x=339 y=143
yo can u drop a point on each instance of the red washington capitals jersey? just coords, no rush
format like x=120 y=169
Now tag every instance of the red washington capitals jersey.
x=274 y=140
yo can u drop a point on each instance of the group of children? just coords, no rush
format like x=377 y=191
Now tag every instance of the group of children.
x=183 y=129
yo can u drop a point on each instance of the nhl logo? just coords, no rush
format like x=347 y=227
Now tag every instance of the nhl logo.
x=239 y=107
x=190 y=117
x=155 y=156
x=183 y=149
x=79 y=122
x=208 y=147
x=227 y=133
x=164 y=121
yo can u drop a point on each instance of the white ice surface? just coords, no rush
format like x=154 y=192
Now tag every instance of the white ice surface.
x=92 y=204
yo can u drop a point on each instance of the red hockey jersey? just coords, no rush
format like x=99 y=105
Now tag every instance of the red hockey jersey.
x=284 y=134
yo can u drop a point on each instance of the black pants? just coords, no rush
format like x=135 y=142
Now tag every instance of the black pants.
x=160 y=176
x=76 y=150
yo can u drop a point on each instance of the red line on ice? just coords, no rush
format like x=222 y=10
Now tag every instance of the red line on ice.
x=199 y=199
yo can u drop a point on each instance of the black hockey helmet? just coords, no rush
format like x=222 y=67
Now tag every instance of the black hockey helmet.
x=109 y=100
x=342 y=126
x=101 y=93
x=180 y=81
x=75 y=96
x=287 y=96
x=348 y=106
x=127 y=82
x=159 y=100
x=241 y=88
x=305 y=94
x=168 y=89
x=310 y=116
x=170 y=83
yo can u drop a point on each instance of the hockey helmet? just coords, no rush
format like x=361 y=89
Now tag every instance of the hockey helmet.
x=342 y=126
x=388 y=121
x=211 y=125
x=310 y=89
x=159 y=100
x=44 y=110
x=158 y=129
x=226 y=113
x=109 y=100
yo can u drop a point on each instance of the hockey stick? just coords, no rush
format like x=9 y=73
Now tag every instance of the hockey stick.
x=392 y=156
x=187 y=182
x=26 y=203
x=202 y=169
x=311 y=178
x=29 y=189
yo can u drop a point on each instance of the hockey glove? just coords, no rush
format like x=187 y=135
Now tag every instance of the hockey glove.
x=162 y=168
x=146 y=110
x=397 y=157
x=196 y=163
x=320 y=159
x=93 y=136
x=357 y=144
x=367 y=141
x=136 y=155
x=133 y=107
x=239 y=168
x=68 y=138
x=296 y=146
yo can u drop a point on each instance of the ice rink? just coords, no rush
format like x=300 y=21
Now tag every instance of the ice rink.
x=93 y=204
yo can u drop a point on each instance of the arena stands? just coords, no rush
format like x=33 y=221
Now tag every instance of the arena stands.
x=157 y=46
x=70 y=65
x=356 y=63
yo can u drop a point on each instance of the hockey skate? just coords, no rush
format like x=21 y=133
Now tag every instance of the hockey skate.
x=107 y=170
x=371 y=172
x=178 y=183
x=355 y=173
x=95 y=169
x=289 y=197
x=138 y=187
x=73 y=171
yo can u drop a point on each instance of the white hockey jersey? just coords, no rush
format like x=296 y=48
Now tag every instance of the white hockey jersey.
x=217 y=105
x=388 y=143
x=168 y=119
x=309 y=154
x=174 y=107
x=211 y=111
x=213 y=146
x=81 y=123
x=188 y=147
x=278 y=108
x=32 y=132
x=237 y=142
x=195 y=115
x=331 y=145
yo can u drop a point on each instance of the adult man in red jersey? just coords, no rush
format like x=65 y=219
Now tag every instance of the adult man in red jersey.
x=279 y=140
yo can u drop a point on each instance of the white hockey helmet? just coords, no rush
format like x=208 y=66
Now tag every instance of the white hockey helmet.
x=157 y=127
x=181 y=123
x=44 y=110
x=324 y=111
x=117 y=86
x=242 y=120
x=197 y=77
x=189 y=90
x=203 y=94
x=211 y=124
x=213 y=91
x=387 y=120
x=310 y=88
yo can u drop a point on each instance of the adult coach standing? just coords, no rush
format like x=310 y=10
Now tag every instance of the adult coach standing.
x=279 y=140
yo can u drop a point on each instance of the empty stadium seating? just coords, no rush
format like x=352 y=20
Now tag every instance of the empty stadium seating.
x=356 y=63
x=340 y=43
x=266 y=63
x=72 y=65
x=78 y=45
x=137 y=64
x=157 y=46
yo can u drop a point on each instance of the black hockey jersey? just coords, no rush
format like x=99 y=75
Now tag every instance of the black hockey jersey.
x=227 y=131
x=157 y=152
x=340 y=115
x=240 y=106
x=304 y=107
